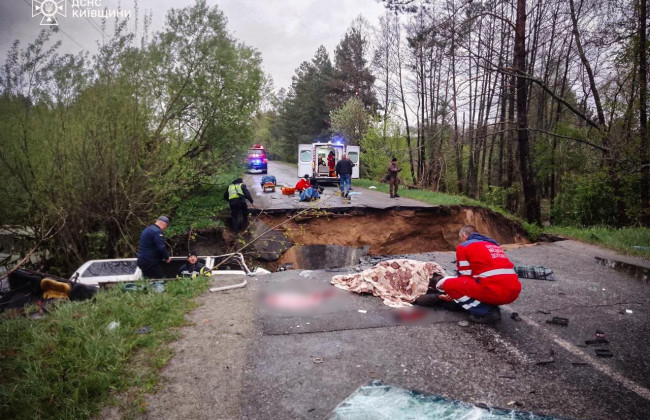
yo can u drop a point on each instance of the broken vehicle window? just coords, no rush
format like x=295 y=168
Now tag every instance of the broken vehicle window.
x=111 y=268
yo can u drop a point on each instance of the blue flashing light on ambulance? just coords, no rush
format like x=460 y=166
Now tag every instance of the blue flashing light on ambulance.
x=257 y=160
x=312 y=159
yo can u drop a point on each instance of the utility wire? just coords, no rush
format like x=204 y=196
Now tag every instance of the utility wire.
x=60 y=30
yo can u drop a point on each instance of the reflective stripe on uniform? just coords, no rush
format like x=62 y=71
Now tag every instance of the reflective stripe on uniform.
x=467 y=302
x=466 y=272
x=235 y=191
x=463 y=263
x=496 y=272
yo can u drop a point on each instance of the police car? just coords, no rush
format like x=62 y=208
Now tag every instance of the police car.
x=256 y=160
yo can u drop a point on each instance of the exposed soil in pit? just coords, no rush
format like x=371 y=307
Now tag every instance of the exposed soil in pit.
x=391 y=232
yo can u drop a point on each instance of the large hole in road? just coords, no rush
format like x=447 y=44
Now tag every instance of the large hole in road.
x=328 y=239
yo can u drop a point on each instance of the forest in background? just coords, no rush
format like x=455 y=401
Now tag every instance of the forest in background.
x=517 y=103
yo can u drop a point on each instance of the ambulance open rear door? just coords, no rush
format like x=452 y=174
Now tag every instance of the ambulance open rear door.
x=305 y=160
x=353 y=154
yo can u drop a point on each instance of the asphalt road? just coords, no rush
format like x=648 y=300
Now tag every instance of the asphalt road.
x=305 y=362
x=287 y=175
x=245 y=358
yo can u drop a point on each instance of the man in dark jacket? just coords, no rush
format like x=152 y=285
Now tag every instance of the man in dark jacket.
x=237 y=194
x=393 y=180
x=191 y=266
x=152 y=251
x=344 y=171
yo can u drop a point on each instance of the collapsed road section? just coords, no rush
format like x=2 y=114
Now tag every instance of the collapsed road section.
x=330 y=238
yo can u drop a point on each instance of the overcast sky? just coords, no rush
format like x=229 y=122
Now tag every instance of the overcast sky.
x=286 y=32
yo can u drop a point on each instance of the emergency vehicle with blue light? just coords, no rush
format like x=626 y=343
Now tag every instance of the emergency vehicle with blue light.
x=312 y=159
x=256 y=160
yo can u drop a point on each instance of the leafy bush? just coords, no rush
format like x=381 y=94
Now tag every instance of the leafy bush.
x=585 y=200
x=93 y=149
x=498 y=196
x=377 y=151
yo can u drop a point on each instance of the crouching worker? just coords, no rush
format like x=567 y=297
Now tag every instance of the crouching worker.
x=303 y=184
x=192 y=267
x=487 y=278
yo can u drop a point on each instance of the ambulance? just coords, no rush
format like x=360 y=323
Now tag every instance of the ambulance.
x=312 y=159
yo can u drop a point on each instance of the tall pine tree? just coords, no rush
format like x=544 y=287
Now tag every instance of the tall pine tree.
x=352 y=78
x=304 y=113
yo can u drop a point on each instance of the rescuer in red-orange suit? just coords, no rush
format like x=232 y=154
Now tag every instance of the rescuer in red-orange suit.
x=331 y=162
x=486 y=277
x=303 y=183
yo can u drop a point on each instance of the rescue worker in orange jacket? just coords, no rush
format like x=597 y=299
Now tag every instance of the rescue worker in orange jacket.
x=303 y=183
x=331 y=162
x=486 y=277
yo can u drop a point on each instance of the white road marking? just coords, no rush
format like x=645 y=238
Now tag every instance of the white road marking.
x=640 y=390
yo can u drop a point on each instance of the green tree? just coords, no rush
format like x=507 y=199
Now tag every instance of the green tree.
x=378 y=148
x=351 y=121
x=304 y=116
x=92 y=150
x=352 y=77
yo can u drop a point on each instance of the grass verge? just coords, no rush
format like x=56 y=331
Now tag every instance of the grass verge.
x=430 y=197
x=68 y=363
x=622 y=240
x=435 y=198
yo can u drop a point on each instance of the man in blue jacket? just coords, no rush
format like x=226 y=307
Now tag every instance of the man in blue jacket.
x=152 y=251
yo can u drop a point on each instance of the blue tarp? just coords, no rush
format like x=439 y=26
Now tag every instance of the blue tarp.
x=377 y=401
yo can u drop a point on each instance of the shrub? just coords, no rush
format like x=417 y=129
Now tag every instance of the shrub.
x=585 y=200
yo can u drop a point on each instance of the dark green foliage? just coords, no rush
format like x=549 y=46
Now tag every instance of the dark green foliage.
x=585 y=200
x=203 y=207
x=92 y=150
x=352 y=77
x=304 y=116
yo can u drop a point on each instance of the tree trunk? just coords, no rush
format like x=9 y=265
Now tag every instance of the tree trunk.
x=403 y=99
x=530 y=194
x=643 y=112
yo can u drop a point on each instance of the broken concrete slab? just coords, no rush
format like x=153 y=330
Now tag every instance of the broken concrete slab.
x=635 y=267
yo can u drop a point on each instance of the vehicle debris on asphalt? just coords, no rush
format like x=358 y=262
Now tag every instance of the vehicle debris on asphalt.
x=557 y=320
x=534 y=272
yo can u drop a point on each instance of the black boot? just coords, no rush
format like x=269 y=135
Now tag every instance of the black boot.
x=493 y=315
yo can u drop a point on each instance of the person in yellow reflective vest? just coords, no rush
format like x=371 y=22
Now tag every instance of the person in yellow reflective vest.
x=236 y=195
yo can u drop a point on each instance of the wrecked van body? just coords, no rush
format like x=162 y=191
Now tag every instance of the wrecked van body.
x=99 y=272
